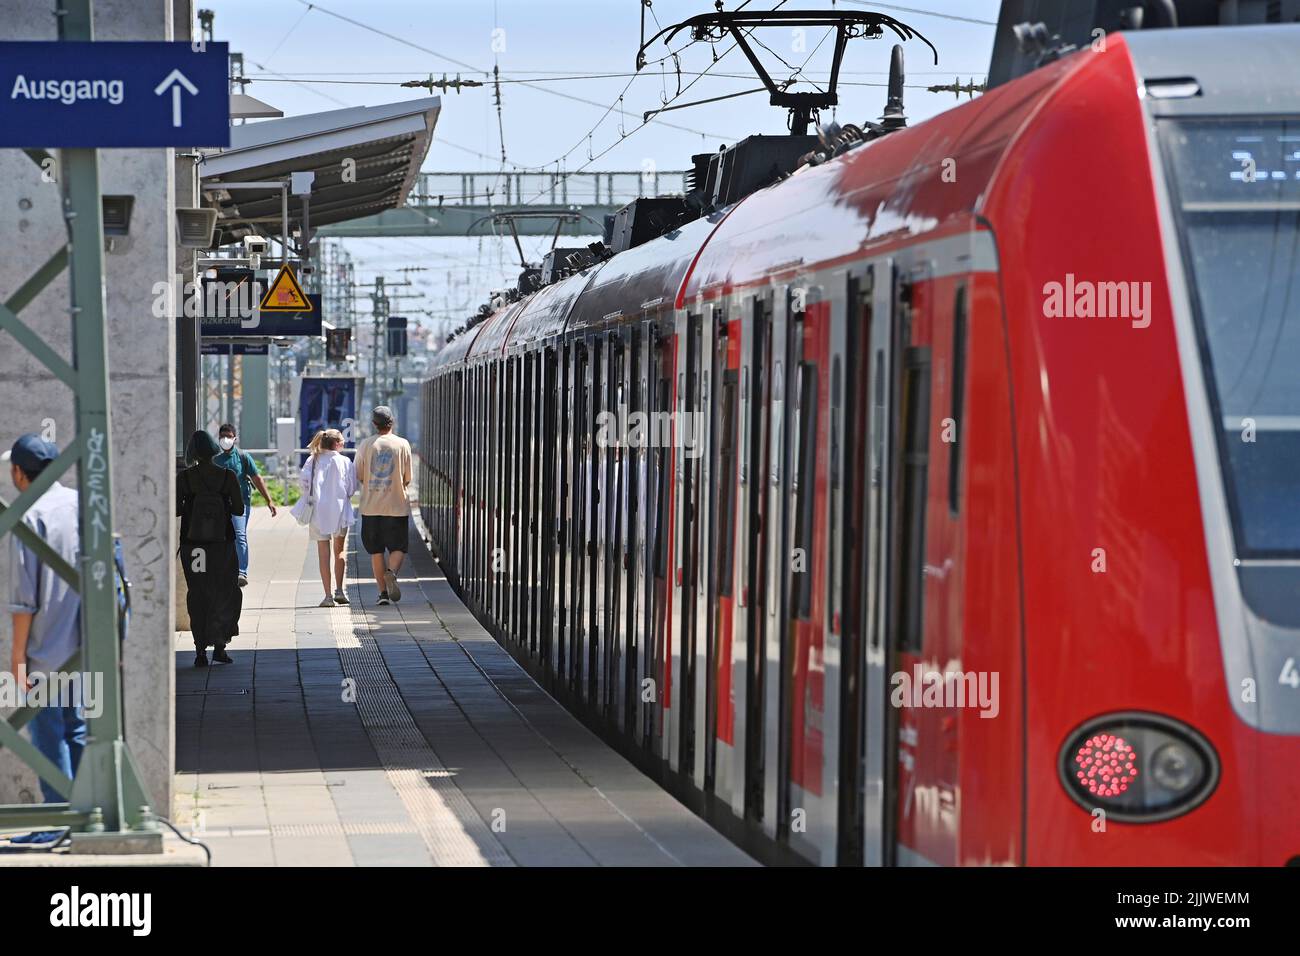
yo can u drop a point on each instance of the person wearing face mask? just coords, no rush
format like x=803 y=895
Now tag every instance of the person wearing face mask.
x=241 y=463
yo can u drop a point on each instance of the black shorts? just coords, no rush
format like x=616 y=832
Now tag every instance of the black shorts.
x=380 y=533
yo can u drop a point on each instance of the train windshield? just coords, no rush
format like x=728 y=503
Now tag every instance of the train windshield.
x=1236 y=185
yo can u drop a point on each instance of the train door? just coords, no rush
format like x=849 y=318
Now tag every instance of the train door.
x=594 y=536
x=487 y=485
x=615 y=505
x=511 y=585
x=548 y=546
x=720 y=764
x=663 y=367
x=748 y=671
x=850 y=585
x=898 y=393
x=634 y=532
x=509 y=486
x=562 y=542
x=465 y=494
x=535 y=400
x=473 y=480
x=602 y=498
x=503 y=557
x=579 y=474
x=679 y=695
x=810 y=656
x=652 y=392
x=776 y=565
x=517 y=595
x=927 y=627
x=697 y=449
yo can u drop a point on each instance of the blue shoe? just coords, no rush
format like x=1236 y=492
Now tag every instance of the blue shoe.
x=44 y=838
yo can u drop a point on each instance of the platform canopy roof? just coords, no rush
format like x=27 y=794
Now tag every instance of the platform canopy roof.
x=386 y=145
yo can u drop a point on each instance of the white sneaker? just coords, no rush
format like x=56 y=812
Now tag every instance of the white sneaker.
x=327 y=601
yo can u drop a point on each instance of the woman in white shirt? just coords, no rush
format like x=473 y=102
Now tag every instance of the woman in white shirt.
x=329 y=479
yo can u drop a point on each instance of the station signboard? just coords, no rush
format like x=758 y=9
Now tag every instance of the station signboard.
x=108 y=94
x=230 y=306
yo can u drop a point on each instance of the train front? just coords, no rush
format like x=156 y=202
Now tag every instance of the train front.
x=1157 y=382
x=1223 y=117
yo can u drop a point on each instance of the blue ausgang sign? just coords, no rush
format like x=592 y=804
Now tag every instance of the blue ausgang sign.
x=106 y=94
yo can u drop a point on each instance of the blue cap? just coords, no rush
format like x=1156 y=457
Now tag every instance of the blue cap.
x=32 y=453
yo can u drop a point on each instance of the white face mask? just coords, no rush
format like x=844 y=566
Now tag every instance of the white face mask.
x=227 y=444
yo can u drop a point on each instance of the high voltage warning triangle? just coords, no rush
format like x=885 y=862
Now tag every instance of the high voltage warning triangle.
x=285 y=294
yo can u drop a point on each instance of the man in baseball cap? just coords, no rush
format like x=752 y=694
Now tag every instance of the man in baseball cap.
x=46 y=611
x=31 y=453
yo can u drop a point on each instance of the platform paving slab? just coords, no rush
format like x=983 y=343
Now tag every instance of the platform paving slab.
x=401 y=735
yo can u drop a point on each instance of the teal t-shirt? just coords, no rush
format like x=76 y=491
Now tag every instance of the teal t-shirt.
x=242 y=464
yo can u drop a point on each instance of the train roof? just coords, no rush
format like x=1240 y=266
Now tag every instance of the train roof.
x=643 y=278
x=495 y=330
x=932 y=178
x=546 y=312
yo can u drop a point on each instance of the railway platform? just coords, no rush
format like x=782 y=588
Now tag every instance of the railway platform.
x=399 y=735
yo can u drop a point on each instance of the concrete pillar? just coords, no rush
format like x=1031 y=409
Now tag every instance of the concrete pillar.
x=255 y=410
x=141 y=360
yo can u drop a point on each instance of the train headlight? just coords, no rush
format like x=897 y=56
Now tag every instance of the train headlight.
x=1139 y=768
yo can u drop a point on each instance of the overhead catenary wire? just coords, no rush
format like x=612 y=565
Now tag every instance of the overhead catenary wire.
x=470 y=66
x=727 y=76
x=648 y=118
x=926 y=13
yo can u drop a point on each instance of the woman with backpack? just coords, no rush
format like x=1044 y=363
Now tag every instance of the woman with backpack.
x=207 y=497
x=328 y=481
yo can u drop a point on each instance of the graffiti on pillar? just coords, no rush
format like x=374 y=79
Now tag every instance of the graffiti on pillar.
x=96 y=480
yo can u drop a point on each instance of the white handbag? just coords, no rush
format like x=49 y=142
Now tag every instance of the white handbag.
x=305 y=509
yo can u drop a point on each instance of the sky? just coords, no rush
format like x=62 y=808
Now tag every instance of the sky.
x=307 y=57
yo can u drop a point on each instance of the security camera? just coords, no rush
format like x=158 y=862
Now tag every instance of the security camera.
x=255 y=245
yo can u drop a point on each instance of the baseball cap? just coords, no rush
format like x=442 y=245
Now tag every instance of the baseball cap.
x=382 y=415
x=32 y=453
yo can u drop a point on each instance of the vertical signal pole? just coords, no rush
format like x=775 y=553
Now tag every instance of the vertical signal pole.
x=107 y=786
x=375 y=295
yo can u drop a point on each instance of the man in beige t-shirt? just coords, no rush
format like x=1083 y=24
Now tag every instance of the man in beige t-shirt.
x=383 y=472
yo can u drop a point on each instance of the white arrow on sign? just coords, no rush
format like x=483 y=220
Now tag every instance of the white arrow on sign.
x=175 y=80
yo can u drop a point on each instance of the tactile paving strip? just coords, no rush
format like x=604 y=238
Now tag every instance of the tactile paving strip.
x=444 y=817
x=341 y=829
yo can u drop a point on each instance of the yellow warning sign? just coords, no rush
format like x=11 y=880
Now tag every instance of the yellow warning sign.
x=285 y=294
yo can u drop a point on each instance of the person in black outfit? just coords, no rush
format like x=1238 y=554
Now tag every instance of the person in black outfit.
x=207 y=495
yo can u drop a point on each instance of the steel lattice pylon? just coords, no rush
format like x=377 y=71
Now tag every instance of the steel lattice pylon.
x=107 y=803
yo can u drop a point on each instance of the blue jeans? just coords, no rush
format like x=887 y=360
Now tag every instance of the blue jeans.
x=60 y=734
x=241 y=539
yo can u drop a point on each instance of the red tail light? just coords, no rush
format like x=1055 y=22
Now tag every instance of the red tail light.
x=1139 y=768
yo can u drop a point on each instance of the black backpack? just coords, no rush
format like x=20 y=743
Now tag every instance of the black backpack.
x=207 y=515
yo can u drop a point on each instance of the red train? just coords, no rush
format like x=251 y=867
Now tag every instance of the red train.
x=939 y=503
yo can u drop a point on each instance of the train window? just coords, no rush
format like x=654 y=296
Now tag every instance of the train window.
x=805 y=496
x=915 y=428
x=958 y=397
x=1237 y=206
x=727 y=485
